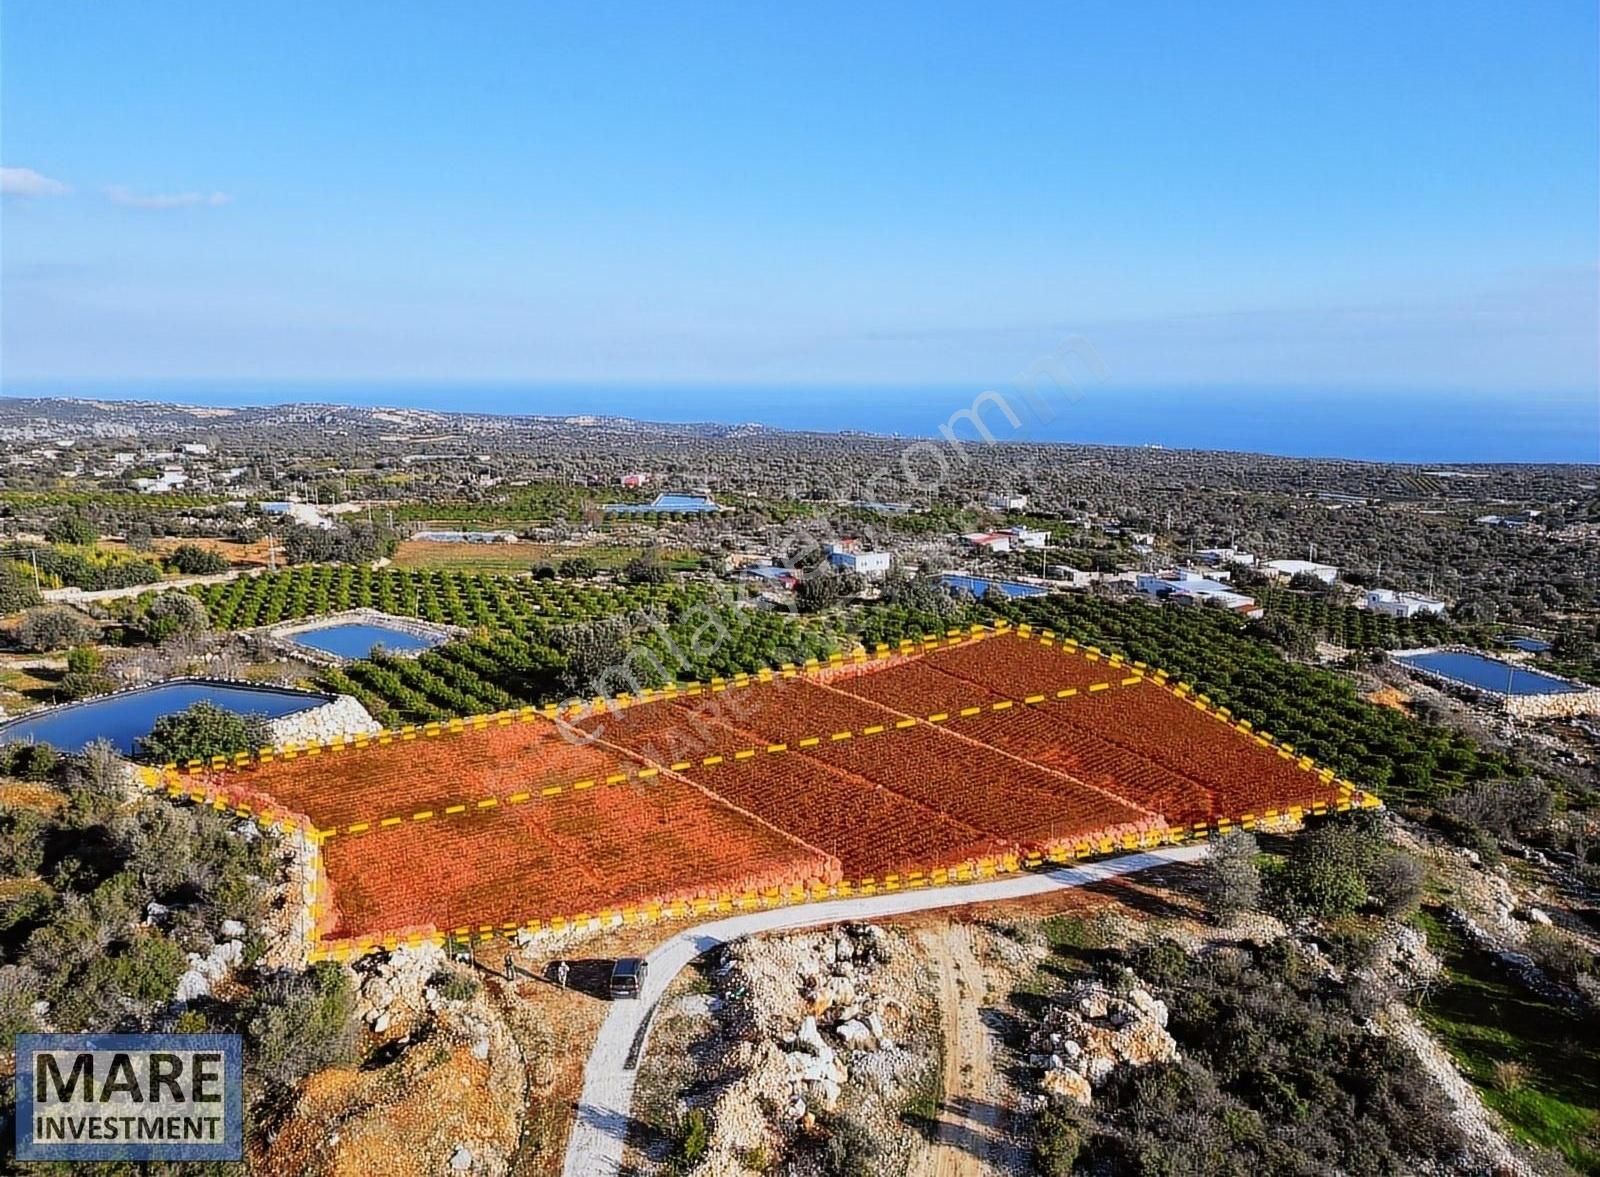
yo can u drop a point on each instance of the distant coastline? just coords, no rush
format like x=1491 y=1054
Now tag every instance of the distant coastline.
x=1408 y=427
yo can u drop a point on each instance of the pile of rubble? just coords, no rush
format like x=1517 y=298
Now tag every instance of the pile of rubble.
x=1401 y=959
x=393 y=987
x=441 y=1092
x=815 y=1023
x=1093 y=1029
x=831 y=979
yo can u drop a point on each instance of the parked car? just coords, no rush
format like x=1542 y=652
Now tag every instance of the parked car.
x=627 y=977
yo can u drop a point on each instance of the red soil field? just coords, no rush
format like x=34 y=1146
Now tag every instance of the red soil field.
x=1020 y=667
x=1152 y=722
x=918 y=797
x=430 y=772
x=1045 y=736
x=980 y=788
x=871 y=831
x=915 y=688
x=585 y=852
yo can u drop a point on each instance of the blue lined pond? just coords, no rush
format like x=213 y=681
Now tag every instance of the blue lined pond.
x=977 y=586
x=355 y=639
x=128 y=716
x=1487 y=674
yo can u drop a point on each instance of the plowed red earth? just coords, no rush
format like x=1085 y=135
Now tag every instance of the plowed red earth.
x=1019 y=667
x=430 y=772
x=836 y=800
x=626 y=844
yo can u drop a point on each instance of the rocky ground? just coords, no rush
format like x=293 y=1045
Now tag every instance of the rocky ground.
x=441 y=1090
x=786 y=1043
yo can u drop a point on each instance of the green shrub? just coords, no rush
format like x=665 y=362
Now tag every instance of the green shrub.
x=453 y=985
x=1232 y=881
x=174 y=615
x=201 y=732
x=1395 y=883
x=1326 y=872
x=1058 y=1133
x=193 y=560
x=300 y=1024
x=72 y=530
x=17 y=590
x=54 y=626
x=696 y=1137
x=30 y=762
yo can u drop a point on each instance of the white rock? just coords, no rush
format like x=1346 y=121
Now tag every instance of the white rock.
x=854 y=1034
x=191 y=985
x=480 y=1049
x=808 y=1037
x=1538 y=916
x=380 y=1023
x=232 y=929
x=461 y=1159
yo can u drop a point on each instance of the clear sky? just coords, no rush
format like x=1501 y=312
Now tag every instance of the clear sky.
x=1385 y=195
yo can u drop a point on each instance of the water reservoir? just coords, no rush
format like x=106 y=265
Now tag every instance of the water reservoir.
x=355 y=639
x=1487 y=674
x=127 y=716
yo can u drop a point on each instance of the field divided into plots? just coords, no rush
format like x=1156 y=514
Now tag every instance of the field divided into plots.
x=936 y=763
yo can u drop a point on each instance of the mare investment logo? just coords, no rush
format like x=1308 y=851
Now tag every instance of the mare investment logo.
x=136 y=1097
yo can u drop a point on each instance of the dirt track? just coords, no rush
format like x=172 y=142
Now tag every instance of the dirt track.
x=972 y=1136
x=605 y=1105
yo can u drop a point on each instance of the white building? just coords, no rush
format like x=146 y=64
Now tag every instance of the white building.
x=1188 y=587
x=1008 y=539
x=1008 y=502
x=1070 y=576
x=467 y=537
x=304 y=514
x=1393 y=604
x=195 y=449
x=171 y=479
x=873 y=564
x=1289 y=569
x=1215 y=556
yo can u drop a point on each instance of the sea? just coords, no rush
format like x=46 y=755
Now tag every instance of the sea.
x=1401 y=426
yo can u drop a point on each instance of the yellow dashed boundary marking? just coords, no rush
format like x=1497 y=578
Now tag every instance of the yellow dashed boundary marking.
x=774 y=749
x=813 y=891
x=1349 y=797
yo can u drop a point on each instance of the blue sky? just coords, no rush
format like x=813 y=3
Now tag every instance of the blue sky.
x=1302 y=196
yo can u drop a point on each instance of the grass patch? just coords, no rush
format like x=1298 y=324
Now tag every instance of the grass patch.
x=514 y=558
x=1494 y=1027
x=21 y=689
x=1076 y=942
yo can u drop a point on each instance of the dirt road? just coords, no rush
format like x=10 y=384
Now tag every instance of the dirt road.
x=972 y=1137
x=601 y=1127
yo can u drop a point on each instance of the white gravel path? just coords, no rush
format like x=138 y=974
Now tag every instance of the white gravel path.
x=598 y=1135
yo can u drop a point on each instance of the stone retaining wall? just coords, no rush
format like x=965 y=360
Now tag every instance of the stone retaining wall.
x=345 y=716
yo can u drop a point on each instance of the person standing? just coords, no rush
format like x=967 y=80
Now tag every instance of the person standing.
x=561 y=973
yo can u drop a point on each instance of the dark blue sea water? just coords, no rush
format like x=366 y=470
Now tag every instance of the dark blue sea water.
x=128 y=716
x=1426 y=427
